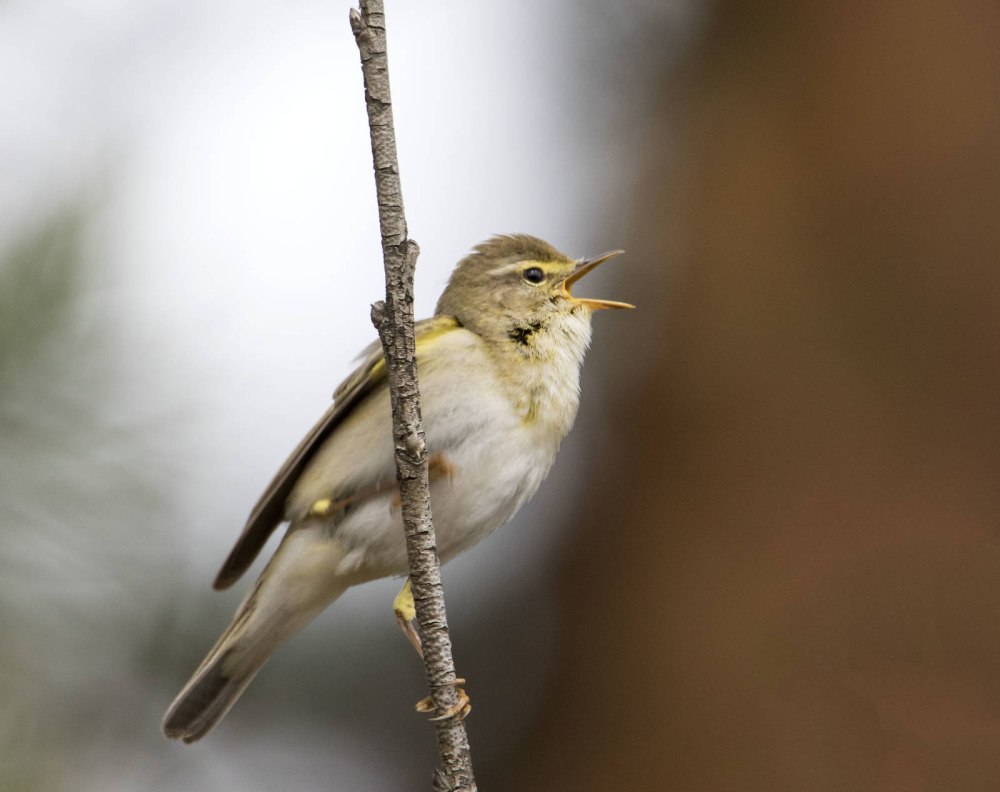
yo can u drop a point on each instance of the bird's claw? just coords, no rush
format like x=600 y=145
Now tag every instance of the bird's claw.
x=462 y=707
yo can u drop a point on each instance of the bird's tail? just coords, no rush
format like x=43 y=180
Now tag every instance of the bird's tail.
x=298 y=583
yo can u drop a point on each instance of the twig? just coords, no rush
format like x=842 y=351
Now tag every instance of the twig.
x=394 y=321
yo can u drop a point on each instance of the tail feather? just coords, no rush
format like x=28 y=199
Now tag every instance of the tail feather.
x=228 y=668
x=206 y=699
x=298 y=583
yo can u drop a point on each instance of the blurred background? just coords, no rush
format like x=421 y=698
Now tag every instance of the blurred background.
x=768 y=557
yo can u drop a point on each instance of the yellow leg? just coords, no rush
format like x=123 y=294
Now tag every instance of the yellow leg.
x=406 y=613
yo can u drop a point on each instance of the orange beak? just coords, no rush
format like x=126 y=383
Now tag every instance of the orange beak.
x=585 y=266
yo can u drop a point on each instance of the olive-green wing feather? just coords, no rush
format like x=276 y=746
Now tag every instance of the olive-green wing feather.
x=269 y=512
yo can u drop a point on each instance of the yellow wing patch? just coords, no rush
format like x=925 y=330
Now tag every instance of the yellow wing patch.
x=372 y=369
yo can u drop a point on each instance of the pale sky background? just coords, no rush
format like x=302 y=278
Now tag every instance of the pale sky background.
x=233 y=252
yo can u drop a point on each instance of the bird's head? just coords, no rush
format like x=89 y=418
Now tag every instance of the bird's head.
x=513 y=285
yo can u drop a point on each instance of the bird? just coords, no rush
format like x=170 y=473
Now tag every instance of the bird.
x=499 y=376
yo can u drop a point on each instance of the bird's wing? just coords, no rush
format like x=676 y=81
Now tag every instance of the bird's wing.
x=269 y=512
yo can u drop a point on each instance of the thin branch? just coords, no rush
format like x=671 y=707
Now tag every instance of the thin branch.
x=394 y=321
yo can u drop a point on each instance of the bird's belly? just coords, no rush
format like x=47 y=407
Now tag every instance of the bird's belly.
x=488 y=486
x=492 y=464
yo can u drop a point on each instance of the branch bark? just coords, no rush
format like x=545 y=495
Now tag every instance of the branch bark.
x=394 y=321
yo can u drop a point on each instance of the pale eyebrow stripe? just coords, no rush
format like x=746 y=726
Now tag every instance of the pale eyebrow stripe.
x=503 y=269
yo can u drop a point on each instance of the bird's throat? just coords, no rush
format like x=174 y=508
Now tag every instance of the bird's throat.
x=540 y=361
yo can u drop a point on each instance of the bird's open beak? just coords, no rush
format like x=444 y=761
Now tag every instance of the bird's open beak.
x=582 y=269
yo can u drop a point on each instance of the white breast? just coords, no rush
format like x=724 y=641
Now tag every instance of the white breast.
x=500 y=448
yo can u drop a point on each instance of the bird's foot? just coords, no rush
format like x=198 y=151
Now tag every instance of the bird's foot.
x=462 y=706
x=438 y=466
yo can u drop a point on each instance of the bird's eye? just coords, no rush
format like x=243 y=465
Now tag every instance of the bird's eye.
x=533 y=275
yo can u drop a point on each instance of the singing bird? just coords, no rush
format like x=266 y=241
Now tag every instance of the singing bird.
x=499 y=374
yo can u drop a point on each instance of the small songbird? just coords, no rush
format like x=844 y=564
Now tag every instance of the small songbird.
x=499 y=375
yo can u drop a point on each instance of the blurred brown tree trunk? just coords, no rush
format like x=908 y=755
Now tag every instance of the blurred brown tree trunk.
x=788 y=575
